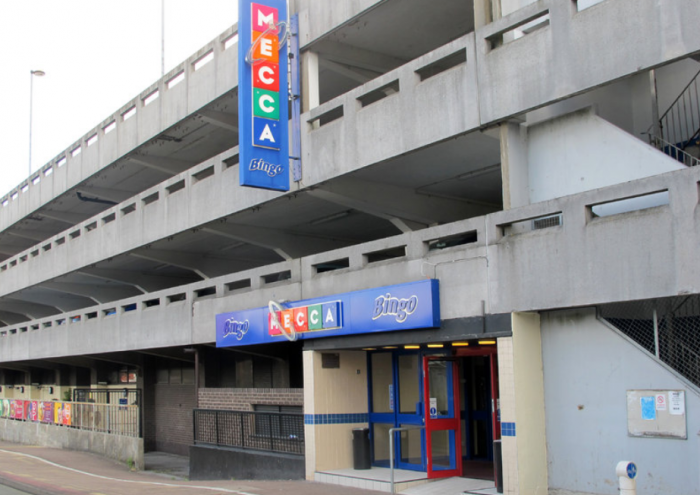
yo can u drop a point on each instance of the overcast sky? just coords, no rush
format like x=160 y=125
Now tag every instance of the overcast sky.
x=97 y=55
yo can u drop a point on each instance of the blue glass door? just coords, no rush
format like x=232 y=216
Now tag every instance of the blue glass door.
x=395 y=400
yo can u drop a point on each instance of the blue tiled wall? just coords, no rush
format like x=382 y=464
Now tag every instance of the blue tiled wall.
x=507 y=429
x=335 y=419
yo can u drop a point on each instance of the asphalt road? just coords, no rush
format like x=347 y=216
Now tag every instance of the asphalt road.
x=6 y=490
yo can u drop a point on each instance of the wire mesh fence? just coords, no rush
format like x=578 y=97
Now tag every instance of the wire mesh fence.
x=668 y=328
x=275 y=432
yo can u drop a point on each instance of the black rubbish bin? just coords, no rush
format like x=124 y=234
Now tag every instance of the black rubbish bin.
x=498 y=465
x=360 y=448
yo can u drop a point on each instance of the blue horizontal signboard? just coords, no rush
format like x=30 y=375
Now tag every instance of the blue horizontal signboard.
x=395 y=307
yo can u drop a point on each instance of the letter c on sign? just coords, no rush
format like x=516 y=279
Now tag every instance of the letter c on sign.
x=267 y=99
x=265 y=74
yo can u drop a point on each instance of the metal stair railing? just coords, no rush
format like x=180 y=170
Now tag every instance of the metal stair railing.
x=680 y=124
x=673 y=151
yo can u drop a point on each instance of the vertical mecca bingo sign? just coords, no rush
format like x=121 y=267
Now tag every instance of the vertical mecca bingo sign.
x=263 y=113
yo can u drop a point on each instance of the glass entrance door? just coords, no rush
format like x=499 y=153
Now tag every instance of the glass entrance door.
x=396 y=400
x=442 y=418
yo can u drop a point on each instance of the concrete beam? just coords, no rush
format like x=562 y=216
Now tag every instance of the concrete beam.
x=62 y=302
x=62 y=216
x=356 y=74
x=141 y=281
x=188 y=261
x=359 y=57
x=287 y=244
x=10 y=318
x=100 y=293
x=167 y=355
x=403 y=207
x=220 y=119
x=121 y=358
x=170 y=166
x=106 y=194
x=31 y=310
x=26 y=235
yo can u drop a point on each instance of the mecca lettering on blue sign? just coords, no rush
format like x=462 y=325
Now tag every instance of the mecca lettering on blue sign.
x=406 y=306
x=263 y=115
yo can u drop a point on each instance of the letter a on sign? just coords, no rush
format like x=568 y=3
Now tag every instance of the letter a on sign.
x=263 y=114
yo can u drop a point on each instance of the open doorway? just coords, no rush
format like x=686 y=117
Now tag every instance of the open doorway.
x=479 y=411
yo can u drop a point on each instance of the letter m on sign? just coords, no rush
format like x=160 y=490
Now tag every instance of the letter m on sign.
x=263 y=16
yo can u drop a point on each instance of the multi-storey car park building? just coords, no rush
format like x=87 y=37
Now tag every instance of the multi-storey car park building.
x=517 y=174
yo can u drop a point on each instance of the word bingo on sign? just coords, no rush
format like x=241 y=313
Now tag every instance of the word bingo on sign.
x=263 y=115
x=411 y=305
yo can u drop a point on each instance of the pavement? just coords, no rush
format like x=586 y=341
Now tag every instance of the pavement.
x=46 y=471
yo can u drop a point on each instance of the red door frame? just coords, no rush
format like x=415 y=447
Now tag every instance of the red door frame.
x=452 y=424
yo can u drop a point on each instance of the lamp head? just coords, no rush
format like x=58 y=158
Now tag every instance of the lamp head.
x=38 y=73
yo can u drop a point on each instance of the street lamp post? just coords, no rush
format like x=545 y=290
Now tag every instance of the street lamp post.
x=32 y=73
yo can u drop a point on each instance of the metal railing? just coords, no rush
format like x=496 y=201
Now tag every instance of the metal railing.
x=103 y=418
x=106 y=418
x=391 y=450
x=673 y=151
x=121 y=397
x=680 y=124
x=268 y=431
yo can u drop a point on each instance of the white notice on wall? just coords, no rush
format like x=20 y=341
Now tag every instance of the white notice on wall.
x=660 y=402
x=677 y=400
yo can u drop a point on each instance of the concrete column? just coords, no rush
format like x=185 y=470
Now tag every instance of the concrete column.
x=485 y=12
x=522 y=407
x=514 y=165
x=309 y=411
x=510 y=6
x=310 y=90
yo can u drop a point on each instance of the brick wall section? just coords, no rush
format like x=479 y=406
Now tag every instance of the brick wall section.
x=173 y=418
x=243 y=399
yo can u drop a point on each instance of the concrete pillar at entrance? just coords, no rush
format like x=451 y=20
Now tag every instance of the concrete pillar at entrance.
x=521 y=383
x=335 y=402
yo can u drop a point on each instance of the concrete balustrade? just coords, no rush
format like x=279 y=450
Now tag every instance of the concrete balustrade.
x=129 y=127
x=499 y=269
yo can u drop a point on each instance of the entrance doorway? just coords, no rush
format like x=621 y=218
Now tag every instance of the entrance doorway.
x=449 y=404
x=479 y=410
x=395 y=400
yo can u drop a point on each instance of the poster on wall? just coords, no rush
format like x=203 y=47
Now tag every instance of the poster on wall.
x=656 y=414
x=67 y=414
x=48 y=412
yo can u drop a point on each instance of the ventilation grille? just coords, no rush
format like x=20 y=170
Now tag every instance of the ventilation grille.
x=546 y=222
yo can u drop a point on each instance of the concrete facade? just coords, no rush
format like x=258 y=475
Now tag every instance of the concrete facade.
x=498 y=147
